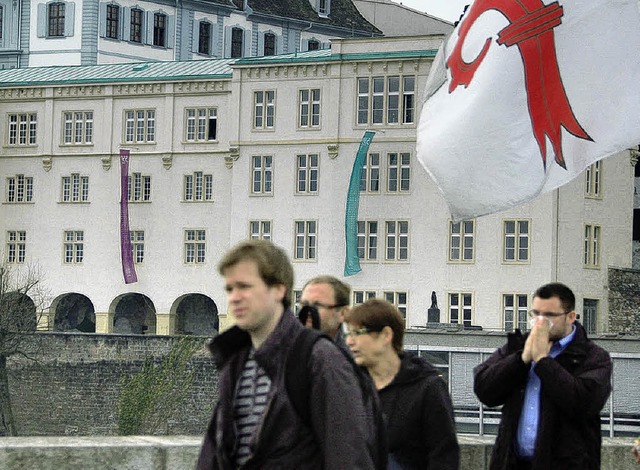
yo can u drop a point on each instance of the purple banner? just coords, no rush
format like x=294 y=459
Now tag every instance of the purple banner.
x=126 y=253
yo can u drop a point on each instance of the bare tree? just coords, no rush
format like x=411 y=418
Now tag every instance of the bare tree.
x=22 y=299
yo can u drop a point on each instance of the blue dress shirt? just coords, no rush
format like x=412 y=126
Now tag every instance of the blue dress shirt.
x=530 y=415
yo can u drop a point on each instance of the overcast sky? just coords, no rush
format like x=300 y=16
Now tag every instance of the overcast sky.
x=449 y=10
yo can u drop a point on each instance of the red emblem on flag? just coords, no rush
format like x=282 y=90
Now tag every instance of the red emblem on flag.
x=531 y=29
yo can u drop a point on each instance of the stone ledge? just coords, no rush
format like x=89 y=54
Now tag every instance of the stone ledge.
x=180 y=453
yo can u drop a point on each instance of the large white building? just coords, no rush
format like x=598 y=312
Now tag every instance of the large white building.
x=264 y=147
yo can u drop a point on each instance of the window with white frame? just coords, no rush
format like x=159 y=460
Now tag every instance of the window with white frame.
x=386 y=100
x=139 y=187
x=19 y=189
x=264 y=109
x=592 y=246
x=370 y=177
x=22 y=128
x=305 y=239
x=201 y=124
x=323 y=7
x=75 y=188
x=78 y=127
x=198 y=187
x=361 y=296
x=398 y=172
x=307 y=174
x=204 y=38
x=593 y=179
x=16 y=246
x=515 y=308
x=367 y=240
x=56 y=11
x=590 y=315
x=160 y=29
x=461 y=308
x=194 y=246
x=399 y=299
x=260 y=229
x=269 y=46
x=516 y=241
x=262 y=174
x=73 y=246
x=461 y=241
x=397 y=240
x=137 y=245
x=140 y=126
x=295 y=300
x=112 y=21
x=309 y=108
x=55 y=19
x=135 y=25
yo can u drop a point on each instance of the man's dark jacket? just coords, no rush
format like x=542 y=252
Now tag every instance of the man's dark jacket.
x=283 y=442
x=421 y=430
x=574 y=389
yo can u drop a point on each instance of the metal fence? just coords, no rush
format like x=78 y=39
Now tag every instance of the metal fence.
x=620 y=416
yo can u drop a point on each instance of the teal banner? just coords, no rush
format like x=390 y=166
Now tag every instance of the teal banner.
x=351 y=261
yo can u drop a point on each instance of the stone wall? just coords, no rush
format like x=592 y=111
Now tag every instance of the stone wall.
x=624 y=301
x=73 y=387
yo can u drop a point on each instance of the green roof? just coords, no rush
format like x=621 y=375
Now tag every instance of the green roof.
x=113 y=73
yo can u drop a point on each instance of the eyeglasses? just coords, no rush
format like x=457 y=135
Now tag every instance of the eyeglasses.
x=320 y=305
x=360 y=331
x=535 y=313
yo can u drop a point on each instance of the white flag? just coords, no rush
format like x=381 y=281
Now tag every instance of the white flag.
x=524 y=95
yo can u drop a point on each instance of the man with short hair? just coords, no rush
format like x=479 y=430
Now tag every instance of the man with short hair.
x=254 y=423
x=552 y=384
x=330 y=296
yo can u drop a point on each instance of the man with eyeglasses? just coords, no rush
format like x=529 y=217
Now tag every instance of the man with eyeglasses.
x=552 y=384
x=329 y=296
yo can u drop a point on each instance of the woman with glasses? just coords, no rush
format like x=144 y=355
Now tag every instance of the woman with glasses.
x=415 y=400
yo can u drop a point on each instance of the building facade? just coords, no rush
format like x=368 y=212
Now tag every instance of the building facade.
x=224 y=150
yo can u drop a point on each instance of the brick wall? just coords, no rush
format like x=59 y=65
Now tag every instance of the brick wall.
x=624 y=301
x=73 y=387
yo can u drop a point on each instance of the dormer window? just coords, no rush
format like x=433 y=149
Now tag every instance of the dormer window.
x=322 y=7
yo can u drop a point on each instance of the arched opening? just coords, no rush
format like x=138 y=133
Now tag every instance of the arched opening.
x=18 y=312
x=134 y=314
x=74 y=312
x=196 y=314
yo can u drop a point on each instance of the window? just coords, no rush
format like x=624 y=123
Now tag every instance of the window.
x=201 y=124
x=159 y=29
x=370 y=178
x=139 y=187
x=590 y=315
x=398 y=172
x=73 y=246
x=22 y=129
x=516 y=241
x=237 y=42
x=361 y=296
x=592 y=246
x=367 y=240
x=515 y=308
x=204 y=38
x=16 y=246
x=137 y=245
x=461 y=241
x=19 y=189
x=75 y=188
x=323 y=7
x=309 y=108
x=307 y=174
x=313 y=45
x=1 y=19
x=194 y=246
x=198 y=187
x=135 y=34
x=260 y=230
x=306 y=232
x=269 y=44
x=397 y=236
x=140 y=126
x=264 y=109
x=262 y=172
x=593 y=177
x=460 y=308
x=386 y=100
x=113 y=21
x=399 y=299
x=56 y=19
x=78 y=127
x=295 y=301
